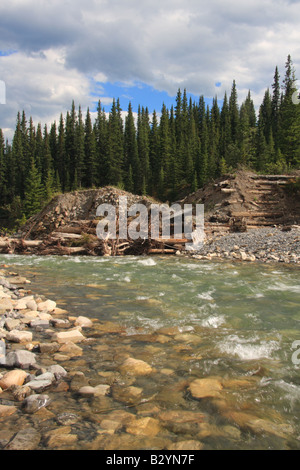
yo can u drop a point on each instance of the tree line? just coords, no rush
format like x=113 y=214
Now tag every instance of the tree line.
x=163 y=155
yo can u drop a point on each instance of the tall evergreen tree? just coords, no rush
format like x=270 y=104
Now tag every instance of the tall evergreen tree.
x=90 y=153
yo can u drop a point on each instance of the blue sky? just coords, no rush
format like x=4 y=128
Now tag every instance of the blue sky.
x=143 y=51
x=139 y=94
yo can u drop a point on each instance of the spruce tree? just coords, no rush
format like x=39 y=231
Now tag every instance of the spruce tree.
x=33 y=191
x=132 y=167
x=90 y=153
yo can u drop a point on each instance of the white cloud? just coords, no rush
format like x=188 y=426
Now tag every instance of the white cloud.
x=67 y=47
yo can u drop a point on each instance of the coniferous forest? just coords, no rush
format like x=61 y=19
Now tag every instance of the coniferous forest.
x=165 y=154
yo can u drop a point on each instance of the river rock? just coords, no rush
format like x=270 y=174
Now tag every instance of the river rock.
x=144 y=427
x=22 y=303
x=84 y=322
x=99 y=390
x=38 y=323
x=65 y=336
x=61 y=437
x=13 y=377
x=47 y=306
x=70 y=349
x=33 y=403
x=7 y=410
x=18 y=336
x=20 y=358
x=203 y=388
x=135 y=367
x=6 y=304
x=66 y=419
x=18 y=280
x=58 y=371
x=20 y=392
x=49 y=348
x=128 y=395
x=2 y=353
x=12 y=323
x=40 y=382
x=25 y=439
x=186 y=445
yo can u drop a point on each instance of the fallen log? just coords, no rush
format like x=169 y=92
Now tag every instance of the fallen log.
x=65 y=235
x=161 y=251
x=25 y=243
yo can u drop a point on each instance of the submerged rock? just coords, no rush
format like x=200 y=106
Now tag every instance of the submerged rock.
x=33 y=403
x=135 y=367
x=25 y=439
x=203 y=388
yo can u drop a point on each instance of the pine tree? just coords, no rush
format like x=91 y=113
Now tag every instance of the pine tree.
x=61 y=155
x=33 y=191
x=101 y=138
x=80 y=154
x=275 y=105
x=3 y=180
x=154 y=152
x=70 y=148
x=115 y=148
x=90 y=153
x=289 y=142
x=133 y=178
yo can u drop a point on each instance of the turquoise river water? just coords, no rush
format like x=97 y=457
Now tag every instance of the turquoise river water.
x=234 y=321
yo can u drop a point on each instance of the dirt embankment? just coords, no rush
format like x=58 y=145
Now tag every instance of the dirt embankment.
x=234 y=203
x=245 y=200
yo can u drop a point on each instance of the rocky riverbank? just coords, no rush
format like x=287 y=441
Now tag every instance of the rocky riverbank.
x=266 y=245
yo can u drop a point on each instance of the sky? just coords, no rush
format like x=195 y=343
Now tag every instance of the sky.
x=55 y=51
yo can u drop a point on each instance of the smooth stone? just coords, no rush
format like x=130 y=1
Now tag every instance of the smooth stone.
x=20 y=392
x=7 y=410
x=13 y=377
x=144 y=427
x=71 y=349
x=65 y=336
x=38 y=323
x=60 y=437
x=6 y=304
x=47 y=306
x=186 y=445
x=26 y=439
x=21 y=304
x=39 y=385
x=203 y=388
x=128 y=395
x=49 y=348
x=60 y=323
x=58 y=371
x=11 y=324
x=33 y=403
x=2 y=353
x=99 y=390
x=18 y=336
x=66 y=419
x=135 y=367
x=84 y=322
x=18 y=280
x=20 y=358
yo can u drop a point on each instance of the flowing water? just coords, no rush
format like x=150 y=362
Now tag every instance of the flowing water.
x=238 y=322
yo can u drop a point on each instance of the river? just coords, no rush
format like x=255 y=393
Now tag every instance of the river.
x=234 y=321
